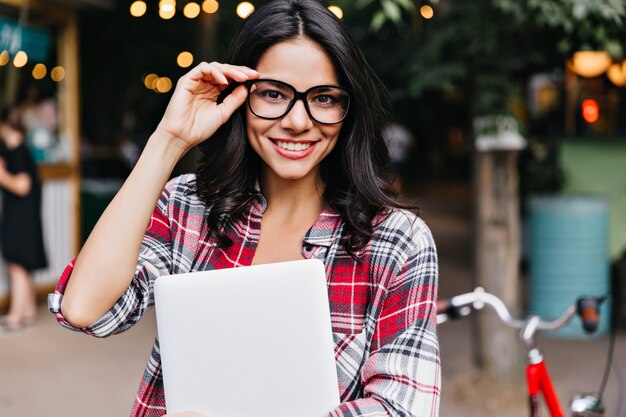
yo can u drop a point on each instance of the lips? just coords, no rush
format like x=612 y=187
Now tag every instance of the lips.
x=293 y=149
x=293 y=146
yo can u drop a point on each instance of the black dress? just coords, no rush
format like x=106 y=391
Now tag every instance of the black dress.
x=20 y=230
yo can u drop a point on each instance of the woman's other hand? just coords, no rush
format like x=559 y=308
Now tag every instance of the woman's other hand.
x=193 y=113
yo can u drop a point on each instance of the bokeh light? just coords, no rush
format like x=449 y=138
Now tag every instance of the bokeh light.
x=39 y=71
x=210 y=6
x=167 y=5
x=20 y=59
x=167 y=9
x=57 y=74
x=590 y=63
x=184 y=59
x=163 y=85
x=4 y=58
x=150 y=81
x=617 y=74
x=590 y=110
x=427 y=11
x=138 y=8
x=191 y=10
x=167 y=14
x=245 y=9
x=337 y=11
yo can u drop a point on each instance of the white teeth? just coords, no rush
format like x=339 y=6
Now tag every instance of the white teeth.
x=293 y=146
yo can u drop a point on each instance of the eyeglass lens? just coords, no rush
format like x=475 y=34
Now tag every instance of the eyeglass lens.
x=271 y=99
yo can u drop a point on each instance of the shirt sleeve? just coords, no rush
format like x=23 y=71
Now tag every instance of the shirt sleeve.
x=155 y=259
x=402 y=375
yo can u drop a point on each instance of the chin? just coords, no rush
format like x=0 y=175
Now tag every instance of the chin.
x=293 y=174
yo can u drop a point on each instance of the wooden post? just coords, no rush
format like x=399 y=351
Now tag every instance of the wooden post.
x=497 y=255
x=497 y=259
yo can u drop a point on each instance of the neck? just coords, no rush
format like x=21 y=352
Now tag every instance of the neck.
x=294 y=198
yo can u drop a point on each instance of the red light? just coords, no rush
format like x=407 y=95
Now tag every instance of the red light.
x=591 y=110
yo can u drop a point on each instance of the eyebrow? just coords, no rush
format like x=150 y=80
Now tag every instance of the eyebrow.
x=328 y=85
x=324 y=87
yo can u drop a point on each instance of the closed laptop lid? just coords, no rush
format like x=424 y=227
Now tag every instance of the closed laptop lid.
x=249 y=341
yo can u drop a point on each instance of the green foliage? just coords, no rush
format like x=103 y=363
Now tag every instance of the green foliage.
x=387 y=11
x=461 y=51
x=479 y=49
x=563 y=13
x=582 y=24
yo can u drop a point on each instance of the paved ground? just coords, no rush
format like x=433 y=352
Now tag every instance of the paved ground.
x=48 y=371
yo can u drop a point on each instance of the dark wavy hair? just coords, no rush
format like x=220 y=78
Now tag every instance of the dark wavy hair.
x=356 y=174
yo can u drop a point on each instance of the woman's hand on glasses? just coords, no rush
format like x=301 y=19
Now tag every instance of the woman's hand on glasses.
x=193 y=113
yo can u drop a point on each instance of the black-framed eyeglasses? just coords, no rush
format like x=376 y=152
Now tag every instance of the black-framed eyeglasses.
x=272 y=99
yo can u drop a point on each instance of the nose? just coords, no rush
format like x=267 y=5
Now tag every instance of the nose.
x=297 y=119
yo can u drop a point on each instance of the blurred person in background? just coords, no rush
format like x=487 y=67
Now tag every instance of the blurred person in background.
x=400 y=142
x=293 y=166
x=20 y=229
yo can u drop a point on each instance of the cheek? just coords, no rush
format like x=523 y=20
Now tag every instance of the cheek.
x=256 y=127
x=332 y=133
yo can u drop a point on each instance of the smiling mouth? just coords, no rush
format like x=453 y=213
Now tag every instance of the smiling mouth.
x=293 y=146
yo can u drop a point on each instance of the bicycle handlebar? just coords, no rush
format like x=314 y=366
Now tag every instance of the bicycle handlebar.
x=463 y=305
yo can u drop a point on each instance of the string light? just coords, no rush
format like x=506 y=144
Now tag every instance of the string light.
x=245 y=9
x=163 y=85
x=39 y=71
x=157 y=84
x=167 y=5
x=427 y=11
x=20 y=59
x=337 y=11
x=150 y=81
x=138 y=8
x=4 y=58
x=57 y=74
x=184 y=59
x=210 y=6
x=191 y=10
x=167 y=9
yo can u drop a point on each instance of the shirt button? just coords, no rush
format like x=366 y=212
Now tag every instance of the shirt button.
x=308 y=247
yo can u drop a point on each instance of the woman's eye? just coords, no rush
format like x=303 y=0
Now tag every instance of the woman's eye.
x=325 y=100
x=272 y=94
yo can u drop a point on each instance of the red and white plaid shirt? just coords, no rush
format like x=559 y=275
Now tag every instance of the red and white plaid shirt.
x=382 y=306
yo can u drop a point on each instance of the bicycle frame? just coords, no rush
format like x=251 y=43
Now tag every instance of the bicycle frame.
x=537 y=376
x=539 y=382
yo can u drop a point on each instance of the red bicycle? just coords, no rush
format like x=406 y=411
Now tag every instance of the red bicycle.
x=537 y=375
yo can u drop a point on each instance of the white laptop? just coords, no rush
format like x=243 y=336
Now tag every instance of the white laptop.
x=248 y=342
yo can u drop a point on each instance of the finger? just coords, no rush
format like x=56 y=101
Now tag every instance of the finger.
x=219 y=72
x=234 y=72
x=232 y=102
x=210 y=72
x=206 y=72
x=246 y=70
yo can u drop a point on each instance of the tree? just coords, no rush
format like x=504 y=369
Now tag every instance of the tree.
x=482 y=53
x=486 y=45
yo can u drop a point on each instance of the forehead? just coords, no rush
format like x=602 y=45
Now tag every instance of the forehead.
x=300 y=62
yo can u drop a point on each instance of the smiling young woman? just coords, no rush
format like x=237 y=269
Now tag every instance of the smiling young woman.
x=293 y=166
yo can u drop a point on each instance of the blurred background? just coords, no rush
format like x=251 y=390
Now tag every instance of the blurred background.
x=509 y=133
